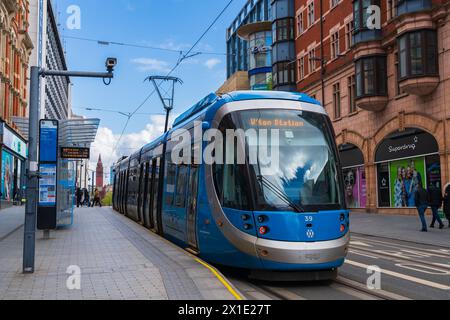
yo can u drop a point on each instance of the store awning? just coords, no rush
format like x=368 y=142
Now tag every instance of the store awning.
x=72 y=133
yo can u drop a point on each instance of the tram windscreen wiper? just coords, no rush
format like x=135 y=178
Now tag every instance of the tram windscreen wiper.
x=280 y=194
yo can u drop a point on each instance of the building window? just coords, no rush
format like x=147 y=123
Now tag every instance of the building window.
x=260 y=46
x=301 y=68
x=371 y=76
x=337 y=100
x=300 y=23
x=352 y=94
x=418 y=54
x=333 y=3
x=311 y=14
x=407 y=6
x=335 y=50
x=391 y=9
x=283 y=74
x=349 y=27
x=362 y=15
x=398 y=90
x=312 y=60
x=283 y=30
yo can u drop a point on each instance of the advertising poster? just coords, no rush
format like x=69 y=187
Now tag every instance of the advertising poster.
x=362 y=187
x=405 y=176
x=47 y=185
x=7 y=176
x=355 y=187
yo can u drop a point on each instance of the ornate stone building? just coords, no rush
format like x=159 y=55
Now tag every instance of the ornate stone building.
x=387 y=91
x=15 y=50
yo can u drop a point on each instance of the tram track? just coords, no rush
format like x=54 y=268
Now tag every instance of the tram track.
x=353 y=289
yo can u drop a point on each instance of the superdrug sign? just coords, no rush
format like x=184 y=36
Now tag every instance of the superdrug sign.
x=408 y=144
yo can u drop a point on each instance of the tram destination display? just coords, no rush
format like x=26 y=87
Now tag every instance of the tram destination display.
x=75 y=153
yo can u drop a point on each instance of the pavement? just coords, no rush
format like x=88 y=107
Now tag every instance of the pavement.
x=10 y=220
x=404 y=228
x=118 y=260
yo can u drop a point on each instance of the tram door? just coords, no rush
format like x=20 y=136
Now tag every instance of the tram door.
x=144 y=192
x=154 y=182
x=192 y=208
x=141 y=188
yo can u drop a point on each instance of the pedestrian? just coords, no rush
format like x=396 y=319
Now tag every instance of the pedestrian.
x=421 y=201
x=97 y=198
x=79 y=195
x=87 y=200
x=435 y=202
x=447 y=202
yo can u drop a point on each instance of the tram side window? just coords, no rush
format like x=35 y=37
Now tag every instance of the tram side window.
x=180 y=199
x=170 y=183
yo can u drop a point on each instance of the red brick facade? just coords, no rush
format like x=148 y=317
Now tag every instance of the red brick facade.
x=15 y=50
x=422 y=102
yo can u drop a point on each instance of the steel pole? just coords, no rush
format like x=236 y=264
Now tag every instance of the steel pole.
x=32 y=175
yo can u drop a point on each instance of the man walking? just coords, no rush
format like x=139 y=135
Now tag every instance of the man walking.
x=447 y=203
x=79 y=196
x=97 y=198
x=435 y=202
x=421 y=200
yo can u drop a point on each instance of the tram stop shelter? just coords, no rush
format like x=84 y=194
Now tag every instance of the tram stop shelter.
x=73 y=133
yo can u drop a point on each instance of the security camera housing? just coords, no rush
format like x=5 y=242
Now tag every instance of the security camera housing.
x=110 y=64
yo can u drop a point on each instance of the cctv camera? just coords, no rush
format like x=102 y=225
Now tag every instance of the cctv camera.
x=111 y=63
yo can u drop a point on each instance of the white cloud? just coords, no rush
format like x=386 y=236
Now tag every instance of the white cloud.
x=149 y=64
x=211 y=63
x=106 y=142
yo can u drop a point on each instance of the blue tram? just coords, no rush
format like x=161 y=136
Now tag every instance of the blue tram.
x=285 y=219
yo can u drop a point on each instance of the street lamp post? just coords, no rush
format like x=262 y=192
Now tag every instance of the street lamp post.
x=32 y=167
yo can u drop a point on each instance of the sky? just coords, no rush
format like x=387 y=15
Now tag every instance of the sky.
x=169 y=24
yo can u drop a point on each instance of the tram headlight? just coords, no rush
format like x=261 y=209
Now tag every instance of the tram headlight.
x=343 y=228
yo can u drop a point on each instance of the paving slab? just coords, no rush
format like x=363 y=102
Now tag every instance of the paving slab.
x=405 y=228
x=118 y=260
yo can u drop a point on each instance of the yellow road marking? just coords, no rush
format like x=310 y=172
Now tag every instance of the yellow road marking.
x=221 y=279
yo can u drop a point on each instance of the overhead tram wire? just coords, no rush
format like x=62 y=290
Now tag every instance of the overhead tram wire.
x=132 y=45
x=180 y=60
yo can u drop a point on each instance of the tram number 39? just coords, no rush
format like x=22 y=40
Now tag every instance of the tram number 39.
x=309 y=219
x=228 y=310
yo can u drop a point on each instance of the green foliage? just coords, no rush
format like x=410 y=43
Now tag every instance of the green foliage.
x=107 y=200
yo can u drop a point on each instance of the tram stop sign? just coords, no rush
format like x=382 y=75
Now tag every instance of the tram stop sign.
x=48 y=165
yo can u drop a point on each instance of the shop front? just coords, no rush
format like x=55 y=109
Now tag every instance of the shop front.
x=404 y=161
x=14 y=152
x=354 y=171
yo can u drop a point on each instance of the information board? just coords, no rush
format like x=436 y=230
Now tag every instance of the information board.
x=75 y=153
x=48 y=181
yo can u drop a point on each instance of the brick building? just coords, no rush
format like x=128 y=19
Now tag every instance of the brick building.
x=386 y=90
x=15 y=51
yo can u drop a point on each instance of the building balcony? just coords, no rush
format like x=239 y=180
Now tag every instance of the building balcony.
x=414 y=21
x=372 y=103
x=371 y=48
x=420 y=86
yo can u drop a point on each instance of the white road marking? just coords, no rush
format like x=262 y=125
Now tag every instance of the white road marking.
x=444 y=252
x=360 y=243
x=363 y=254
x=402 y=276
x=423 y=269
